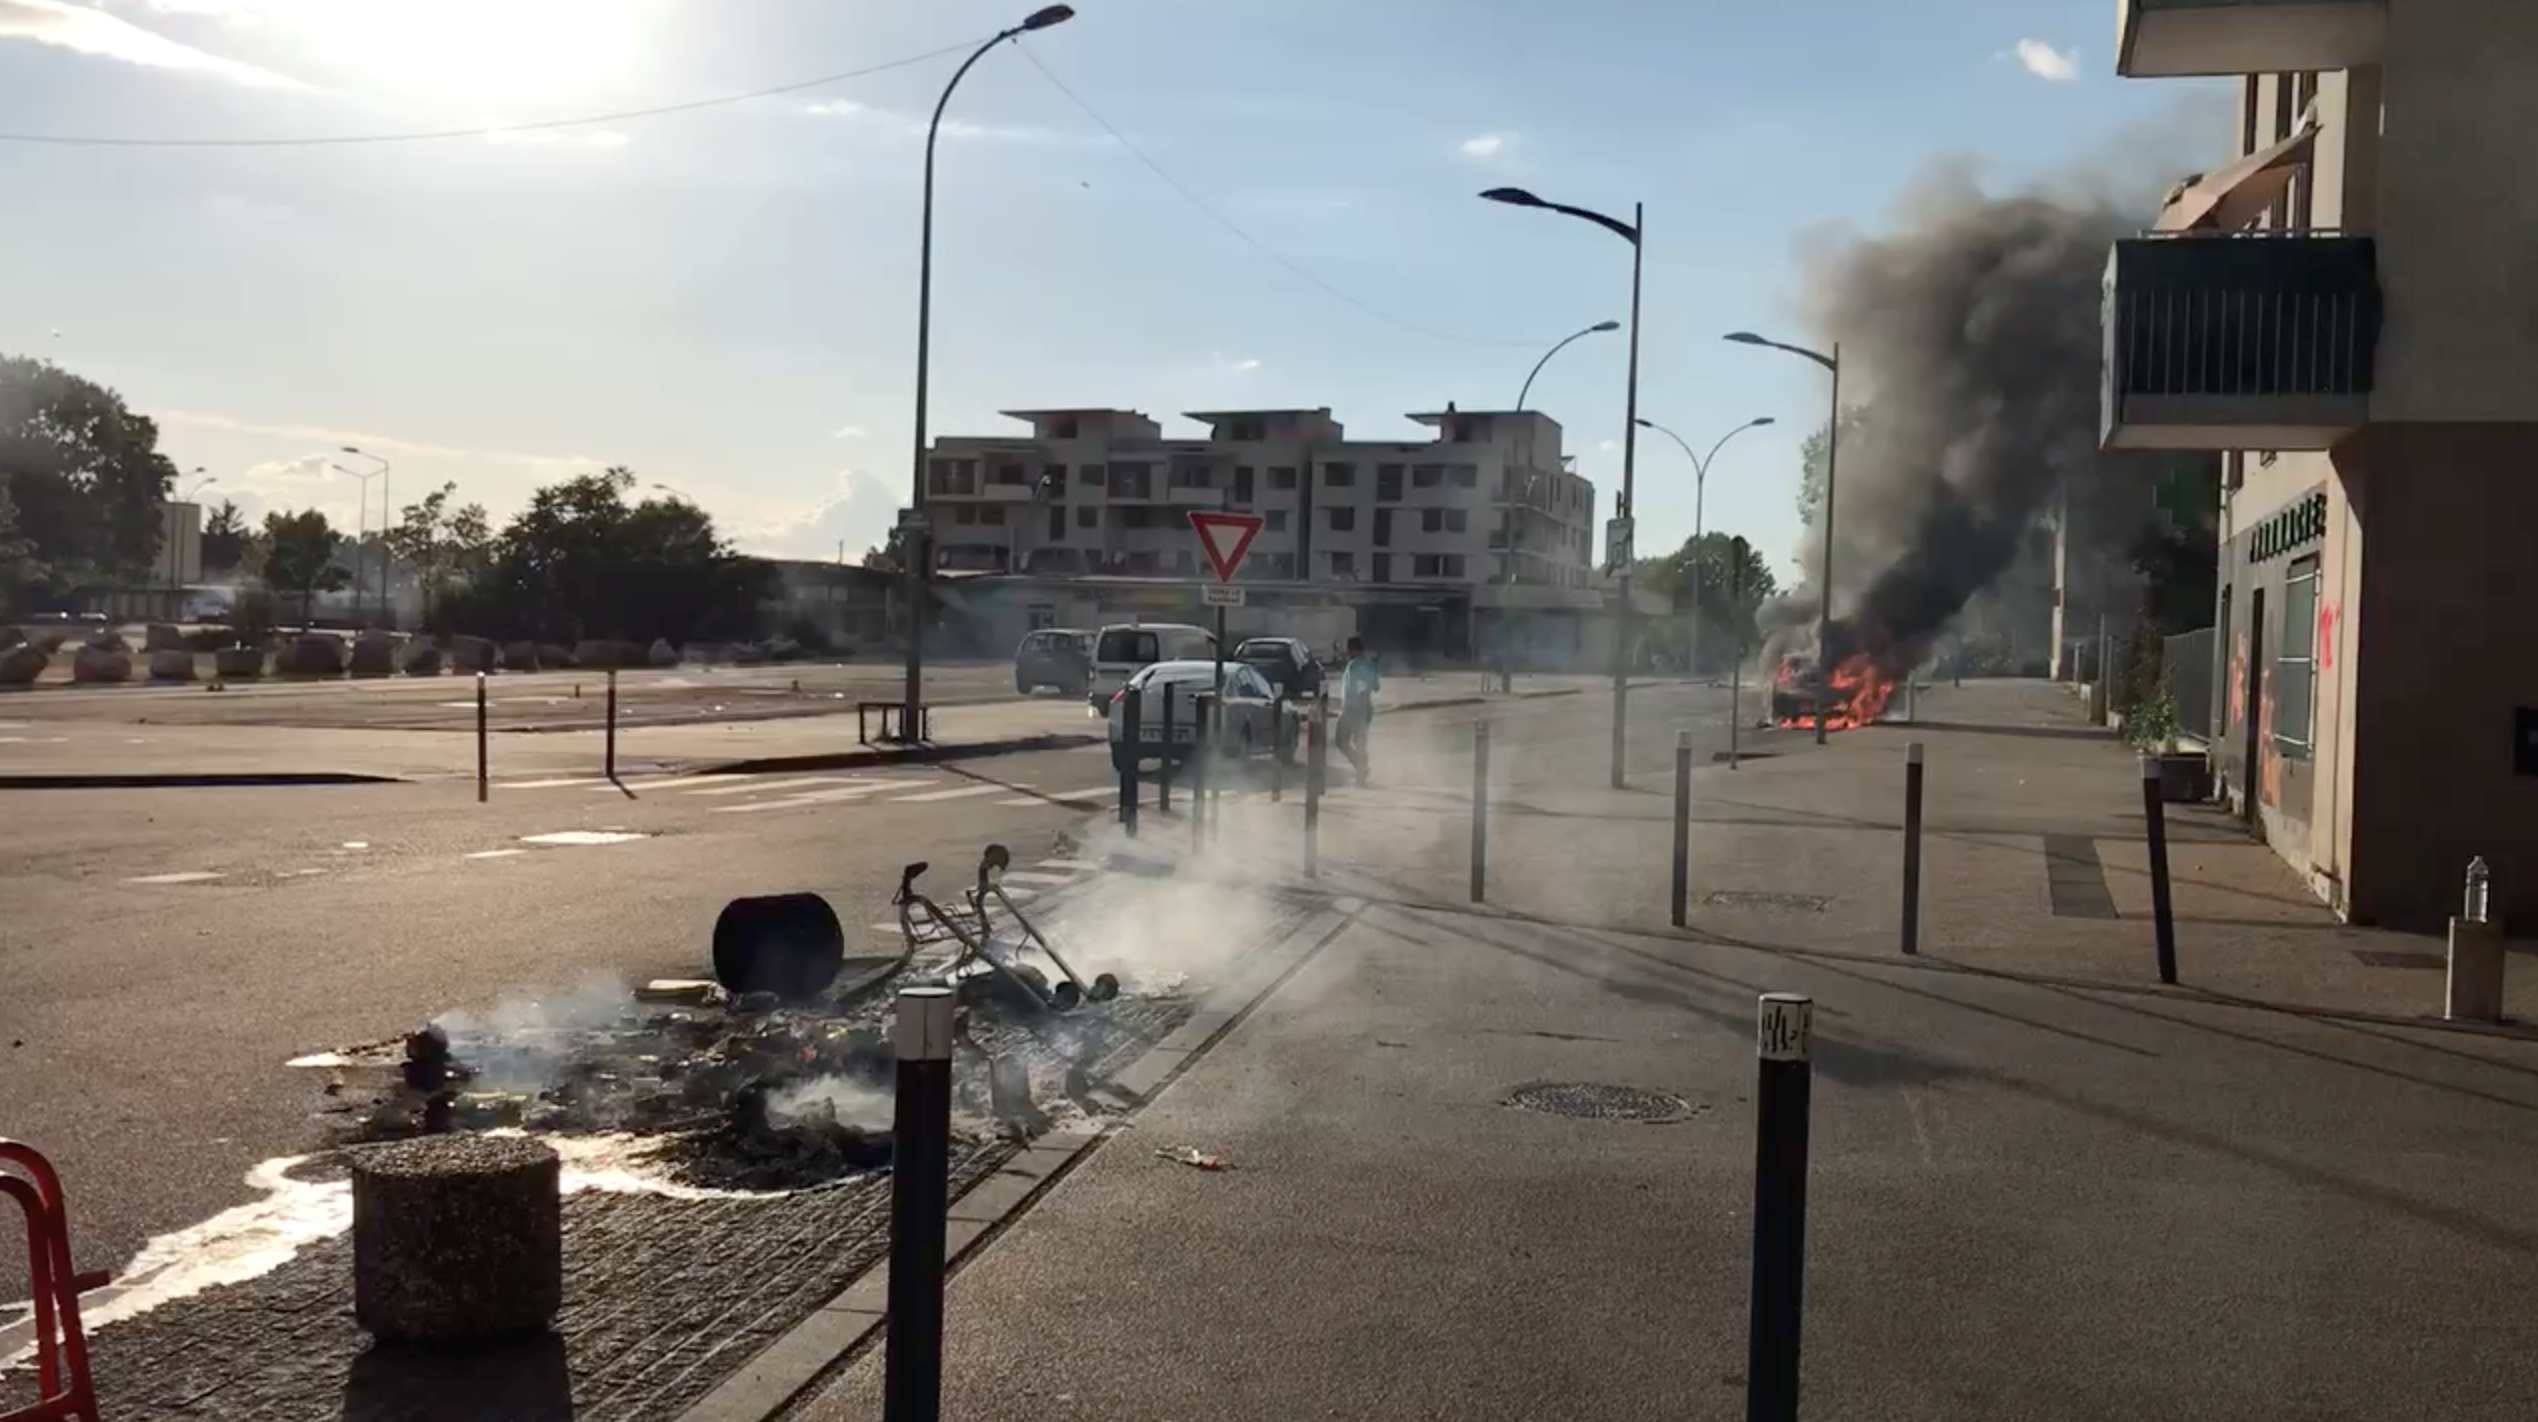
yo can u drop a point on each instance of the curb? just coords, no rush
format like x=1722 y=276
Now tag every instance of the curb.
x=901 y=755
x=812 y=1351
x=85 y=780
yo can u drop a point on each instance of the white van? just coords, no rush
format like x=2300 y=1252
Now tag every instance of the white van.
x=1125 y=647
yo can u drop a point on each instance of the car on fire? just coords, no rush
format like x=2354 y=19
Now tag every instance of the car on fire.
x=1795 y=689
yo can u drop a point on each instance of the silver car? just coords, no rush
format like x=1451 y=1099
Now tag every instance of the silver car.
x=1255 y=719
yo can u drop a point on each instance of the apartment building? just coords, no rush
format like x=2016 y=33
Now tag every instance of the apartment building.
x=2343 y=307
x=1489 y=500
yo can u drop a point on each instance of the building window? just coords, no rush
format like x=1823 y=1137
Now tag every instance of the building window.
x=1250 y=430
x=1426 y=476
x=1457 y=520
x=1452 y=564
x=1383 y=567
x=1388 y=483
x=1338 y=476
x=1088 y=517
x=965 y=513
x=1466 y=476
x=2296 y=663
x=1277 y=521
x=1243 y=480
x=1011 y=474
x=1057 y=524
x=1091 y=476
x=1343 y=519
x=1193 y=476
x=1281 y=476
x=1181 y=561
x=1343 y=565
x=991 y=513
x=1431 y=520
x=1132 y=481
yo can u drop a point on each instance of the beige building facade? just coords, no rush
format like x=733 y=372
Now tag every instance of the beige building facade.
x=2347 y=307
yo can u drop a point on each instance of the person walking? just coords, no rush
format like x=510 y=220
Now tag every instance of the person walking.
x=1359 y=681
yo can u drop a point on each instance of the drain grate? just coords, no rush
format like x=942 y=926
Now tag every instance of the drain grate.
x=2386 y=958
x=1766 y=899
x=1598 y=1101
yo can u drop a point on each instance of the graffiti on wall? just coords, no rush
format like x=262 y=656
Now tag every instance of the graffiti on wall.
x=2238 y=679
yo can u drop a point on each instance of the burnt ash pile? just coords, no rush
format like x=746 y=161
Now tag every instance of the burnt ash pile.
x=737 y=1093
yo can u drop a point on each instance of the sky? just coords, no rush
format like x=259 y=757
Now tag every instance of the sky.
x=1163 y=205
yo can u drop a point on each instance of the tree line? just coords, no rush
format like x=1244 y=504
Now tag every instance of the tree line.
x=82 y=479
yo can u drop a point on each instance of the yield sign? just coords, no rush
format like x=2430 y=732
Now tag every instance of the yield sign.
x=1226 y=537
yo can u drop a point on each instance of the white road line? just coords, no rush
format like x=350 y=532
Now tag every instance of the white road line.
x=190 y=876
x=671 y=782
x=496 y=853
x=812 y=797
x=583 y=837
x=744 y=785
x=963 y=792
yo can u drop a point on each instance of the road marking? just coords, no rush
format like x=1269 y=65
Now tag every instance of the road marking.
x=815 y=797
x=745 y=785
x=190 y=876
x=583 y=837
x=961 y=793
x=356 y=844
x=496 y=853
x=666 y=783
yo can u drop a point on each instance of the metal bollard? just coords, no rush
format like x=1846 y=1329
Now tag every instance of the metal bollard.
x=1480 y=810
x=1735 y=704
x=1163 y=774
x=1277 y=751
x=920 y=1197
x=1681 y=899
x=2154 y=810
x=1782 y=1092
x=480 y=738
x=612 y=723
x=1317 y=743
x=1912 y=850
x=1132 y=742
x=2473 y=991
x=1202 y=749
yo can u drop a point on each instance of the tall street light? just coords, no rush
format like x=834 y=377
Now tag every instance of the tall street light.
x=175 y=556
x=917 y=548
x=1700 y=488
x=382 y=472
x=1595 y=330
x=1634 y=232
x=1824 y=576
x=361 y=524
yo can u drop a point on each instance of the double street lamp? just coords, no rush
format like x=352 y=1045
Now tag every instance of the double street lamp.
x=382 y=472
x=1597 y=329
x=1634 y=232
x=1824 y=576
x=1700 y=489
x=917 y=548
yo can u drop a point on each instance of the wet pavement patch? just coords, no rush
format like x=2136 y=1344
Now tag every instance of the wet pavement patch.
x=1599 y=1101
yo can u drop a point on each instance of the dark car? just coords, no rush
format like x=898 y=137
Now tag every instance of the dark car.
x=1795 y=689
x=1060 y=657
x=1288 y=665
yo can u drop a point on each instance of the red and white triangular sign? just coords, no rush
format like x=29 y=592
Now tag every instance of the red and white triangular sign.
x=1226 y=537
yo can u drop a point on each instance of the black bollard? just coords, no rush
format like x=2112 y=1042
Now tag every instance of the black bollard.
x=1781 y=1096
x=1201 y=772
x=1912 y=850
x=1163 y=774
x=1316 y=763
x=1278 y=748
x=2154 y=810
x=480 y=738
x=920 y=1197
x=612 y=723
x=1132 y=748
x=1480 y=810
x=1681 y=898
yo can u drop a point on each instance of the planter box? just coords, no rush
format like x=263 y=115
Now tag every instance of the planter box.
x=238 y=663
x=2185 y=777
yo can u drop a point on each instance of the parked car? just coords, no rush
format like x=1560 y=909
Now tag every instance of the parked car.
x=1253 y=722
x=1795 y=689
x=1286 y=663
x=1124 y=648
x=1059 y=657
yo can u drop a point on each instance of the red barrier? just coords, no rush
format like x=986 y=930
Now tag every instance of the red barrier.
x=61 y=1349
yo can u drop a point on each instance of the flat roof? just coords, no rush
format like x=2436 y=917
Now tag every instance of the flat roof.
x=1085 y=410
x=1441 y=416
x=1212 y=416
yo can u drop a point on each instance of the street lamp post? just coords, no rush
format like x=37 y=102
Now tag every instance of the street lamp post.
x=1824 y=576
x=1635 y=233
x=1597 y=329
x=361 y=525
x=1700 y=491
x=917 y=548
x=382 y=472
x=175 y=557
x=1507 y=551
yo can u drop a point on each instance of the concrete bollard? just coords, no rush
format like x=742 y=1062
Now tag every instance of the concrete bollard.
x=2154 y=809
x=1480 y=811
x=1782 y=1099
x=1912 y=850
x=920 y=1198
x=1680 y=900
x=1317 y=753
x=2474 y=990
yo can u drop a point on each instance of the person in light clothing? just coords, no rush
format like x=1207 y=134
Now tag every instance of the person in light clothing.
x=1359 y=681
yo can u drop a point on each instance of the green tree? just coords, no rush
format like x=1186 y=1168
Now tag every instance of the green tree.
x=580 y=562
x=225 y=536
x=1811 y=463
x=441 y=545
x=892 y=555
x=18 y=567
x=1717 y=580
x=300 y=557
x=85 y=474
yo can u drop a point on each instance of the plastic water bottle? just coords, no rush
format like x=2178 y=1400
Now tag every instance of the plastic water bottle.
x=2479 y=890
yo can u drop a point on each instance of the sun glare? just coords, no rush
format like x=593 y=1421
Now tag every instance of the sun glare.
x=482 y=49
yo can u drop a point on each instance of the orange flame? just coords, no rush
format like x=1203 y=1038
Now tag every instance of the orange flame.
x=1858 y=693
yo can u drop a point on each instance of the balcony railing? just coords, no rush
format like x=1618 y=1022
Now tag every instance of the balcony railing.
x=2258 y=341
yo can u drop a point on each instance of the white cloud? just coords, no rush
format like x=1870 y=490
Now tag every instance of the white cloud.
x=859 y=517
x=1610 y=446
x=1247 y=364
x=910 y=126
x=377 y=443
x=2059 y=66
x=849 y=432
x=85 y=30
x=1484 y=146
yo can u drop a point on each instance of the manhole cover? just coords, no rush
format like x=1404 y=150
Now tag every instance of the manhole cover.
x=1598 y=1101
x=1764 y=899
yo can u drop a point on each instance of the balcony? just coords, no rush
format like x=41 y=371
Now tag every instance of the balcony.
x=2255 y=341
x=2163 y=39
